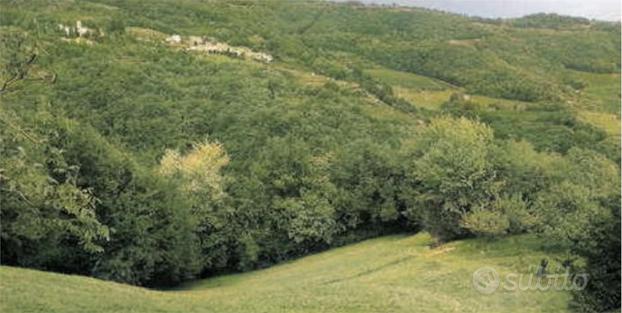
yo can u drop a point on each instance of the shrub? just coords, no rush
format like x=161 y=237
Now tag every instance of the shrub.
x=518 y=213
x=486 y=223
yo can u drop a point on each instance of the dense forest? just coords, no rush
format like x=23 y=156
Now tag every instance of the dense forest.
x=128 y=158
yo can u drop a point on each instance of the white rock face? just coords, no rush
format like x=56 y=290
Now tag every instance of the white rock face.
x=174 y=39
x=82 y=31
x=79 y=30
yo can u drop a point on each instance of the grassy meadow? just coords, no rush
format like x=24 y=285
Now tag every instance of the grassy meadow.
x=388 y=274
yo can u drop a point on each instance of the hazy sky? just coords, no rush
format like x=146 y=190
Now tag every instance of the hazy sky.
x=594 y=9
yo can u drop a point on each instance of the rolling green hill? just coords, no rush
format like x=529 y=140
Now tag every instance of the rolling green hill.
x=387 y=274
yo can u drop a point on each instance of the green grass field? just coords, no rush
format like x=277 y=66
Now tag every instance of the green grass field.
x=602 y=92
x=407 y=80
x=388 y=274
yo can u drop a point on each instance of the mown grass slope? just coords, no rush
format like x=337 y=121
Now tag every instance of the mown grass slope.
x=388 y=274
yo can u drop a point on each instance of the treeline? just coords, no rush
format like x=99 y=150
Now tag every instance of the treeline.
x=73 y=203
